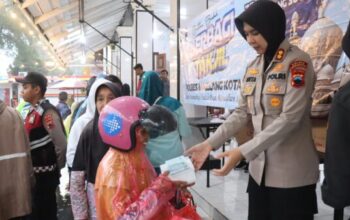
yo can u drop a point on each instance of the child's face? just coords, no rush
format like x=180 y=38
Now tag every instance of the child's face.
x=104 y=95
x=141 y=135
x=30 y=92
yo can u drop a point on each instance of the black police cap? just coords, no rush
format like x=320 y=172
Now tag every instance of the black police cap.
x=34 y=78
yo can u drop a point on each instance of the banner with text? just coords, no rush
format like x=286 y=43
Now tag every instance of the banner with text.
x=214 y=55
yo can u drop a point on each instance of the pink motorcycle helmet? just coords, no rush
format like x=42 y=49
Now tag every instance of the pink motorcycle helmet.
x=118 y=120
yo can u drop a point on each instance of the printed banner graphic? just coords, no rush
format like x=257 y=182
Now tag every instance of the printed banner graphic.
x=214 y=55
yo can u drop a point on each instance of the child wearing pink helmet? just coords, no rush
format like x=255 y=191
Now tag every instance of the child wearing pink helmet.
x=126 y=186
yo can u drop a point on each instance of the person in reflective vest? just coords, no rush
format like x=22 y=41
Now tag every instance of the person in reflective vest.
x=48 y=144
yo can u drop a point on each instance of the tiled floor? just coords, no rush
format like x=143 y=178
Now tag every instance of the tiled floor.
x=227 y=198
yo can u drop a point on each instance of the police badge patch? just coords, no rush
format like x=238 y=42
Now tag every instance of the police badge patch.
x=279 y=54
x=48 y=118
x=253 y=71
x=276 y=102
x=298 y=69
x=273 y=88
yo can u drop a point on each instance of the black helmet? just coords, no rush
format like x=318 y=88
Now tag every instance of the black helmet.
x=158 y=121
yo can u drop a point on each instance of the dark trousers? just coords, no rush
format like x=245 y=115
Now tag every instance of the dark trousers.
x=268 y=203
x=44 y=201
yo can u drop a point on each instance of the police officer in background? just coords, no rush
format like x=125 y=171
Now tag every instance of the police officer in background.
x=47 y=144
x=276 y=92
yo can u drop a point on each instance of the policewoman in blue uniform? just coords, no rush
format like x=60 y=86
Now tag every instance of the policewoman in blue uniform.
x=276 y=92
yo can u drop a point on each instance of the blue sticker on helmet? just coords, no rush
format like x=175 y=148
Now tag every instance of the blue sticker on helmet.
x=112 y=124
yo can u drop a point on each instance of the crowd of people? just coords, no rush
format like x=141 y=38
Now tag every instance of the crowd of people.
x=114 y=143
x=49 y=137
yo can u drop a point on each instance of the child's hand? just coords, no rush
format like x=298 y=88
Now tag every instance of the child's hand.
x=178 y=184
x=182 y=184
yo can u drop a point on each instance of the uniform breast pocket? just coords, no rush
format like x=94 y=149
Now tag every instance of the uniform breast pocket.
x=273 y=96
x=249 y=94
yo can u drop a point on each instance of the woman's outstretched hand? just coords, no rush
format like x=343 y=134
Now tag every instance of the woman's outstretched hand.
x=233 y=157
x=199 y=154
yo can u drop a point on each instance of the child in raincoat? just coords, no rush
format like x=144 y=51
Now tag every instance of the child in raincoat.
x=126 y=185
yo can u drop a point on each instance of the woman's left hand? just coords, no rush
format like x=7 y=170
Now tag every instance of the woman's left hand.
x=233 y=157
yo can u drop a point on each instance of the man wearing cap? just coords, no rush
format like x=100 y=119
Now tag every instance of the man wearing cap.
x=48 y=144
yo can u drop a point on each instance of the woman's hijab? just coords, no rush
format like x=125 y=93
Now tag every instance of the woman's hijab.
x=269 y=20
x=116 y=92
x=80 y=124
x=152 y=87
x=93 y=149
